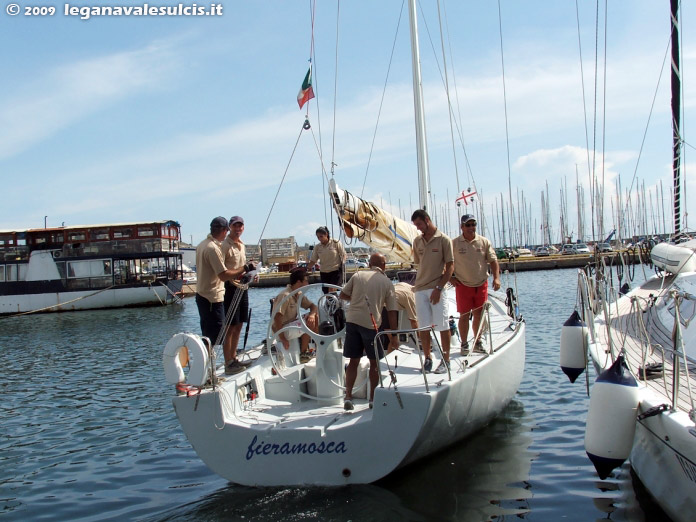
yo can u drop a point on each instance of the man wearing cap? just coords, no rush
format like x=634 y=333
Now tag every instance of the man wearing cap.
x=368 y=292
x=331 y=255
x=472 y=255
x=432 y=253
x=212 y=273
x=236 y=298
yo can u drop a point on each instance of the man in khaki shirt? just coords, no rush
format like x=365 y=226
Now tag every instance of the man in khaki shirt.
x=285 y=312
x=236 y=298
x=406 y=300
x=432 y=253
x=331 y=255
x=212 y=273
x=368 y=292
x=472 y=255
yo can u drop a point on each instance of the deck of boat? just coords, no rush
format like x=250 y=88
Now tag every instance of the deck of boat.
x=626 y=333
x=405 y=363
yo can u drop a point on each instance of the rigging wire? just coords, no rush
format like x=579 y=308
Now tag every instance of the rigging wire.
x=584 y=102
x=449 y=100
x=507 y=136
x=593 y=172
x=647 y=125
x=457 y=123
x=381 y=101
x=600 y=203
x=275 y=198
x=335 y=98
x=456 y=97
x=313 y=66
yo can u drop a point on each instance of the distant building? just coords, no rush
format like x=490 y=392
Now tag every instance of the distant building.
x=278 y=250
x=253 y=251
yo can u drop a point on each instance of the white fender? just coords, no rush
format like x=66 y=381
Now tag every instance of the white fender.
x=574 y=342
x=198 y=360
x=611 y=419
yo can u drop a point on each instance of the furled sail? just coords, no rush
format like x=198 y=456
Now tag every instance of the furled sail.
x=372 y=225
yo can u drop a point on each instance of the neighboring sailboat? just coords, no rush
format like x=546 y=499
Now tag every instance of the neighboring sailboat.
x=648 y=334
x=282 y=422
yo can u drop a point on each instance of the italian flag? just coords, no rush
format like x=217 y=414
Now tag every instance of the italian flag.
x=306 y=92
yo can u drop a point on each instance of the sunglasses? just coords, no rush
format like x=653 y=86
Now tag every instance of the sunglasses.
x=469 y=225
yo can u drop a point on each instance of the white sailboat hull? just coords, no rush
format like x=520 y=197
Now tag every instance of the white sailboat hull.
x=663 y=457
x=85 y=300
x=304 y=442
x=664 y=446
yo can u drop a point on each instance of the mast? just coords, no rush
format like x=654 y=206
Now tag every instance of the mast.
x=676 y=115
x=421 y=141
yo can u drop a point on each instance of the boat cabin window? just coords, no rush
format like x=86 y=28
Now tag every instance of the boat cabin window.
x=91 y=268
x=121 y=233
x=100 y=234
x=2 y=273
x=171 y=232
x=60 y=265
x=146 y=232
x=76 y=236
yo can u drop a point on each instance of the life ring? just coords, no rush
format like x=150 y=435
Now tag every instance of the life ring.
x=198 y=360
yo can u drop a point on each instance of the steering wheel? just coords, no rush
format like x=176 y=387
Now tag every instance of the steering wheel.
x=319 y=339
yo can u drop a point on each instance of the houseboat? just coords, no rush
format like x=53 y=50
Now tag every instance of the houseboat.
x=89 y=266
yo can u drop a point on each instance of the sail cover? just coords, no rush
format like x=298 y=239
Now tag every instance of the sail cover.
x=374 y=226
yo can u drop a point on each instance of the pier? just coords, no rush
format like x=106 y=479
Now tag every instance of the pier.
x=521 y=264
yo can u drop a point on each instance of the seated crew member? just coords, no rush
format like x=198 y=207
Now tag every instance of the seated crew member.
x=285 y=313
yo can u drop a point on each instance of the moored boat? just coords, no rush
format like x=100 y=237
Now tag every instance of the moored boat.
x=648 y=335
x=650 y=328
x=282 y=422
x=89 y=266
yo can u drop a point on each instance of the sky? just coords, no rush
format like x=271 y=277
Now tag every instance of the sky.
x=144 y=118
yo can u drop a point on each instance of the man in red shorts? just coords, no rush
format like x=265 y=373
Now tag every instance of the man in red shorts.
x=472 y=255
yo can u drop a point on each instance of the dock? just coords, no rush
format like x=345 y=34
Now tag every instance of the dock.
x=521 y=264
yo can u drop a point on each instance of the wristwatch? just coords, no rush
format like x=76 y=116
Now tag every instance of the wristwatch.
x=439 y=288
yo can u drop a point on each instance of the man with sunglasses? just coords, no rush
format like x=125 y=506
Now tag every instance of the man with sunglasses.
x=472 y=255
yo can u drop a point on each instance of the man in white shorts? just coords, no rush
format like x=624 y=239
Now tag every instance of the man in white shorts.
x=432 y=254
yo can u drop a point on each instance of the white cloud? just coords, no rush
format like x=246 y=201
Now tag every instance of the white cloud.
x=62 y=96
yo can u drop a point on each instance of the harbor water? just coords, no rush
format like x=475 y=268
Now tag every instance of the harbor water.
x=88 y=432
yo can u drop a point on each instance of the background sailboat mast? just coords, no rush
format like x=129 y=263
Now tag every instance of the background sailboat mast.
x=676 y=115
x=421 y=141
